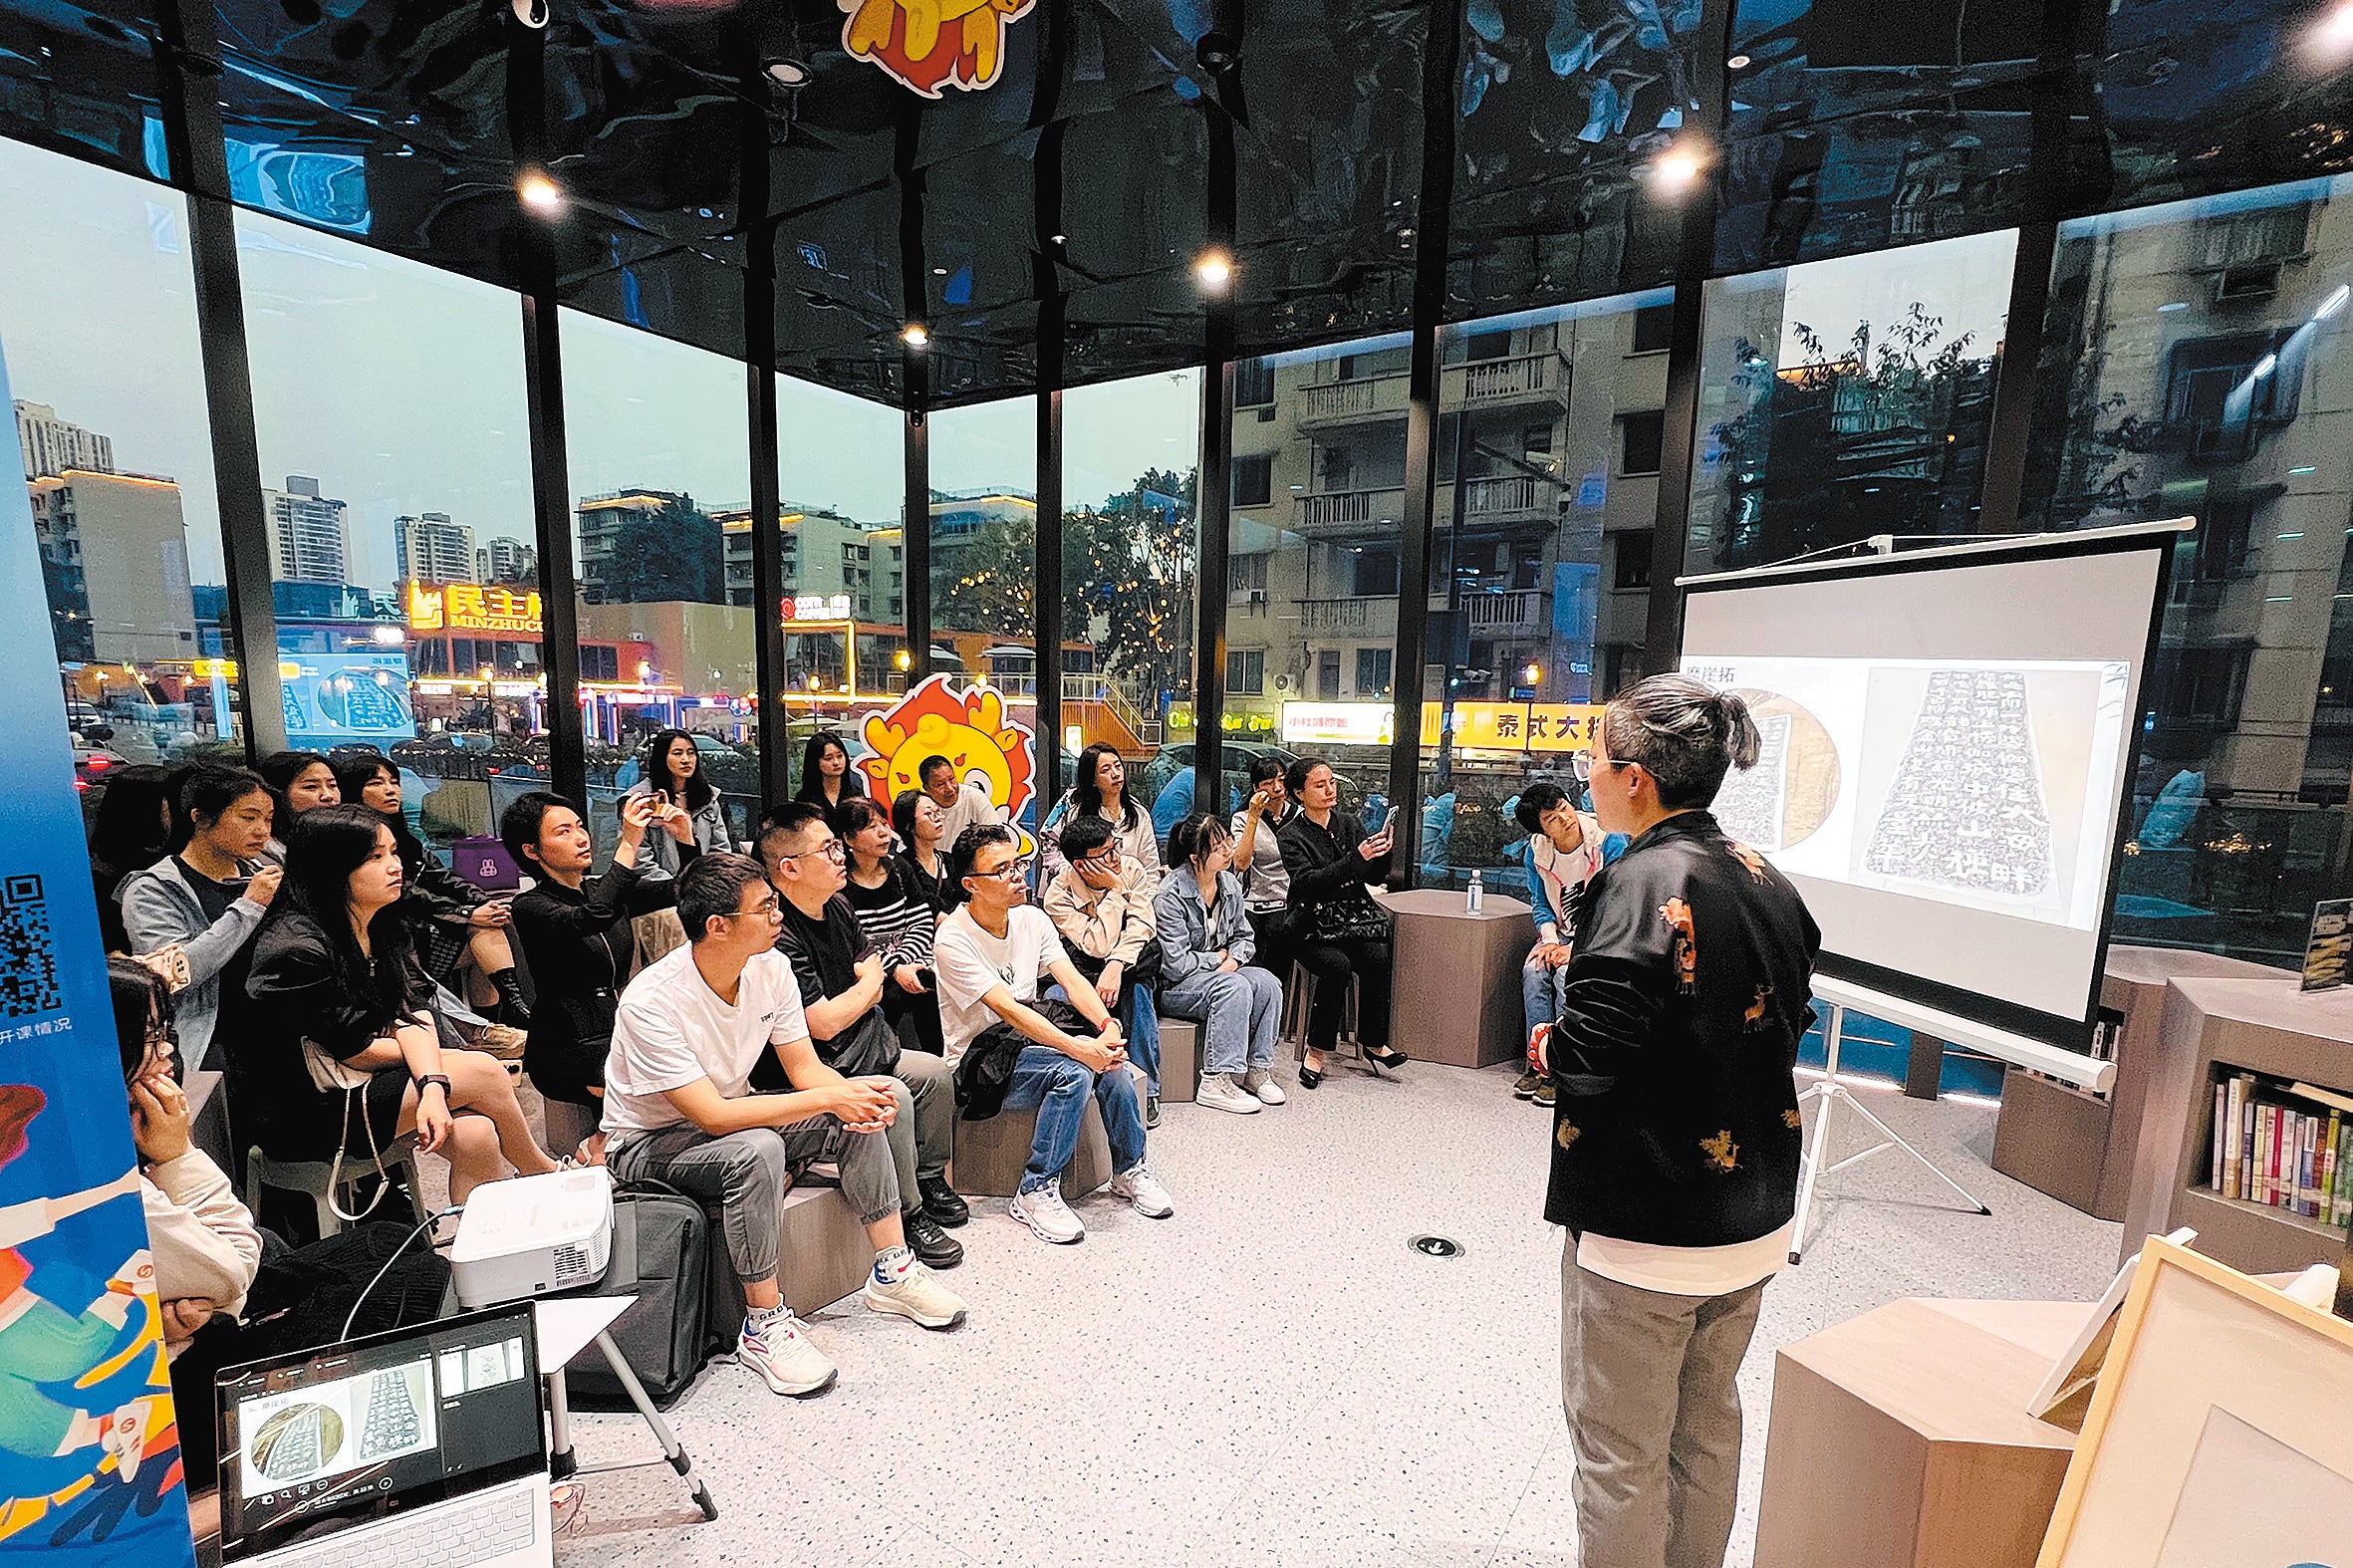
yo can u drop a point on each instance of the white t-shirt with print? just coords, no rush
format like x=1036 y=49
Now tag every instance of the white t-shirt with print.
x=673 y=1028
x=971 y=964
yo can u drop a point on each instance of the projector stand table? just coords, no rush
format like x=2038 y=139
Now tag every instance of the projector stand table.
x=1833 y=1093
x=561 y=1464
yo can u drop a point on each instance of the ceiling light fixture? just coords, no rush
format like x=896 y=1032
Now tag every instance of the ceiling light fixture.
x=914 y=336
x=1215 y=269
x=1677 y=167
x=2335 y=32
x=540 y=193
x=787 y=71
x=1737 y=62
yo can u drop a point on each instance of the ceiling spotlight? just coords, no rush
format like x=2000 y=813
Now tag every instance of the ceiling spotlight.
x=1058 y=239
x=2335 y=32
x=1737 y=62
x=531 y=13
x=1215 y=269
x=787 y=71
x=540 y=193
x=1676 y=169
x=914 y=337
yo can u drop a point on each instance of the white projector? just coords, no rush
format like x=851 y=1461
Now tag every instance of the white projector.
x=533 y=1236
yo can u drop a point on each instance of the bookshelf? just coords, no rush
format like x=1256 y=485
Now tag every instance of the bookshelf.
x=2216 y=1028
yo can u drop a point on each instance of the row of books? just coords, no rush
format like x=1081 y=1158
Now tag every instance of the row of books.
x=2285 y=1146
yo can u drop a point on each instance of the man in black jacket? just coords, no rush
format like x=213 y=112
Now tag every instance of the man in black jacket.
x=577 y=940
x=1676 y=1132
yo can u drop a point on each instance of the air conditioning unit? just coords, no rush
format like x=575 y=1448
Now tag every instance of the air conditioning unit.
x=1258 y=598
x=1282 y=683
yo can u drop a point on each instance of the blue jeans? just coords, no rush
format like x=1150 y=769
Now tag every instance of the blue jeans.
x=1540 y=991
x=1140 y=1027
x=1238 y=1013
x=1056 y=1087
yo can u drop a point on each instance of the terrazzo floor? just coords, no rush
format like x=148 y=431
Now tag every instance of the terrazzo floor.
x=1272 y=1377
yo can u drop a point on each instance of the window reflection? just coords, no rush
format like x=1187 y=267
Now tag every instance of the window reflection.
x=1550 y=422
x=1845 y=398
x=2191 y=351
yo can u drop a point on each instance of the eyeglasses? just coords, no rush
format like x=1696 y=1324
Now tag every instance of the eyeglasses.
x=1011 y=870
x=1109 y=859
x=1582 y=766
x=769 y=909
x=830 y=848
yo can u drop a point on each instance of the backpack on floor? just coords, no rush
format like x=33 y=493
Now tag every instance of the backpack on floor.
x=666 y=1252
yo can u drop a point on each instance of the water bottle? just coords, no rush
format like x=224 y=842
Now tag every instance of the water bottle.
x=1477 y=896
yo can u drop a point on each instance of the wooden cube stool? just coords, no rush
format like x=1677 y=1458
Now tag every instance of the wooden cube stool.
x=990 y=1156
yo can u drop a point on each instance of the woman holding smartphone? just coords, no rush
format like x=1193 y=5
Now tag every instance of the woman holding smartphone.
x=1337 y=930
x=686 y=808
x=207 y=896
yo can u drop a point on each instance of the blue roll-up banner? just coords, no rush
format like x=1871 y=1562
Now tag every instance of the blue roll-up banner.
x=89 y=1447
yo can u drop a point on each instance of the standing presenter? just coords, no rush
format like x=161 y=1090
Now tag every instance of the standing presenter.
x=1676 y=1133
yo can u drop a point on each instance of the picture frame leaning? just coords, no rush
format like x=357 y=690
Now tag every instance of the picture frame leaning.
x=2221 y=1433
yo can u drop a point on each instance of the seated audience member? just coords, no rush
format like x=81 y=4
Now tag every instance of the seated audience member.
x=962 y=804
x=827 y=779
x=671 y=775
x=923 y=844
x=1336 y=929
x=1013 y=1051
x=333 y=995
x=129 y=831
x=209 y=895
x=1258 y=861
x=1101 y=907
x=1101 y=791
x=679 y=1109
x=207 y=1246
x=843 y=979
x=1565 y=849
x=301 y=781
x=1205 y=971
x=897 y=917
x=450 y=920
x=576 y=934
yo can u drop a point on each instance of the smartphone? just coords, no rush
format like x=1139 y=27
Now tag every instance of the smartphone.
x=1389 y=821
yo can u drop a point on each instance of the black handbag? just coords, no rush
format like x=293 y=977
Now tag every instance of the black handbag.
x=984 y=1074
x=1354 y=918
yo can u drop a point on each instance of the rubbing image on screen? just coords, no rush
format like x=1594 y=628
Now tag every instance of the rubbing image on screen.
x=1944 y=754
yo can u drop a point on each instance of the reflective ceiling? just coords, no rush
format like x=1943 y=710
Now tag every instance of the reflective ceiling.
x=1845 y=124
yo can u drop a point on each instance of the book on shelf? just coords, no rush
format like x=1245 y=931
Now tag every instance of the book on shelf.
x=2285 y=1146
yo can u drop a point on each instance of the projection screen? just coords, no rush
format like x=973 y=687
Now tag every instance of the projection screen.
x=1948 y=743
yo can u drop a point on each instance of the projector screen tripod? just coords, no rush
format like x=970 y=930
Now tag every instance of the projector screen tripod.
x=562 y=1466
x=1829 y=1095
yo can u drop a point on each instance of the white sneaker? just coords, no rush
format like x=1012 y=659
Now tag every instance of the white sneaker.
x=1140 y=1187
x=1219 y=1092
x=1047 y=1216
x=780 y=1352
x=1260 y=1082
x=918 y=1295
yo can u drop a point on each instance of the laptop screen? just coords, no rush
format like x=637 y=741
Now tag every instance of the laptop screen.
x=374 y=1427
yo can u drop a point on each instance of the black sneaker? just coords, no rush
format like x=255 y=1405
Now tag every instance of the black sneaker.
x=1525 y=1089
x=1545 y=1093
x=932 y=1246
x=941 y=1202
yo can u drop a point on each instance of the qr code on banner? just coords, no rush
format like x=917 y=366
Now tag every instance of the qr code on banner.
x=28 y=954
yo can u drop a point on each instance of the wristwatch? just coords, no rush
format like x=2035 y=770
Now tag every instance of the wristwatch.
x=434 y=1078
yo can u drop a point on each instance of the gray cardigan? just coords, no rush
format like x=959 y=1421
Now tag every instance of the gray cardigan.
x=160 y=909
x=661 y=855
x=1189 y=933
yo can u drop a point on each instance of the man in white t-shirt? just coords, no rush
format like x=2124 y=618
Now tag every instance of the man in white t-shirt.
x=1564 y=851
x=679 y=1109
x=963 y=803
x=1014 y=1051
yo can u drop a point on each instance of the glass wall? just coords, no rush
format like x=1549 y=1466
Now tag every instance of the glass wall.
x=843 y=486
x=1540 y=560
x=2195 y=365
x=658 y=435
x=398 y=491
x=1313 y=551
x=98 y=324
x=1130 y=470
x=1843 y=398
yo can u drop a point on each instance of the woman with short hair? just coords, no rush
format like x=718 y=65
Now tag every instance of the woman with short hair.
x=1206 y=973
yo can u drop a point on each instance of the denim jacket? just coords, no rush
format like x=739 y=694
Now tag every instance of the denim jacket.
x=1189 y=933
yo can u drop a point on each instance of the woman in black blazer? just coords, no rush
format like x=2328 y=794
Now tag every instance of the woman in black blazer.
x=1331 y=862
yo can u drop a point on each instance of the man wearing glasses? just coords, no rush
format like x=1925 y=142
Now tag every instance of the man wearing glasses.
x=679 y=1109
x=1013 y=1051
x=839 y=974
x=1101 y=905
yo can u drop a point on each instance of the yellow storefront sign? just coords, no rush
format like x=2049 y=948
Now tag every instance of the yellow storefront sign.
x=1514 y=726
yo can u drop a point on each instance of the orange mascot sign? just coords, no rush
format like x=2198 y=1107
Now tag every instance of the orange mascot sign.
x=930 y=44
x=970 y=729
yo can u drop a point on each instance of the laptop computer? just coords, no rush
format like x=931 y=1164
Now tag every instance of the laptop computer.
x=422 y=1445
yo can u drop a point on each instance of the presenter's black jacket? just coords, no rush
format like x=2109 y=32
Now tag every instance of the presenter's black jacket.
x=1675 y=1122
x=579 y=946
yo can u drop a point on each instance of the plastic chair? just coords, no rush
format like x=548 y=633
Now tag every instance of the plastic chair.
x=312 y=1178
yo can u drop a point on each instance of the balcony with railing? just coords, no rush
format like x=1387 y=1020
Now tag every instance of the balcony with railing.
x=1510 y=497
x=1524 y=612
x=1349 y=401
x=1522 y=378
x=1349 y=511
x=1360 y=618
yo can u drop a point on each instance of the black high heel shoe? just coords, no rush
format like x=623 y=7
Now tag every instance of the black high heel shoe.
x=1309 y=1077
x=1385 y=1057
